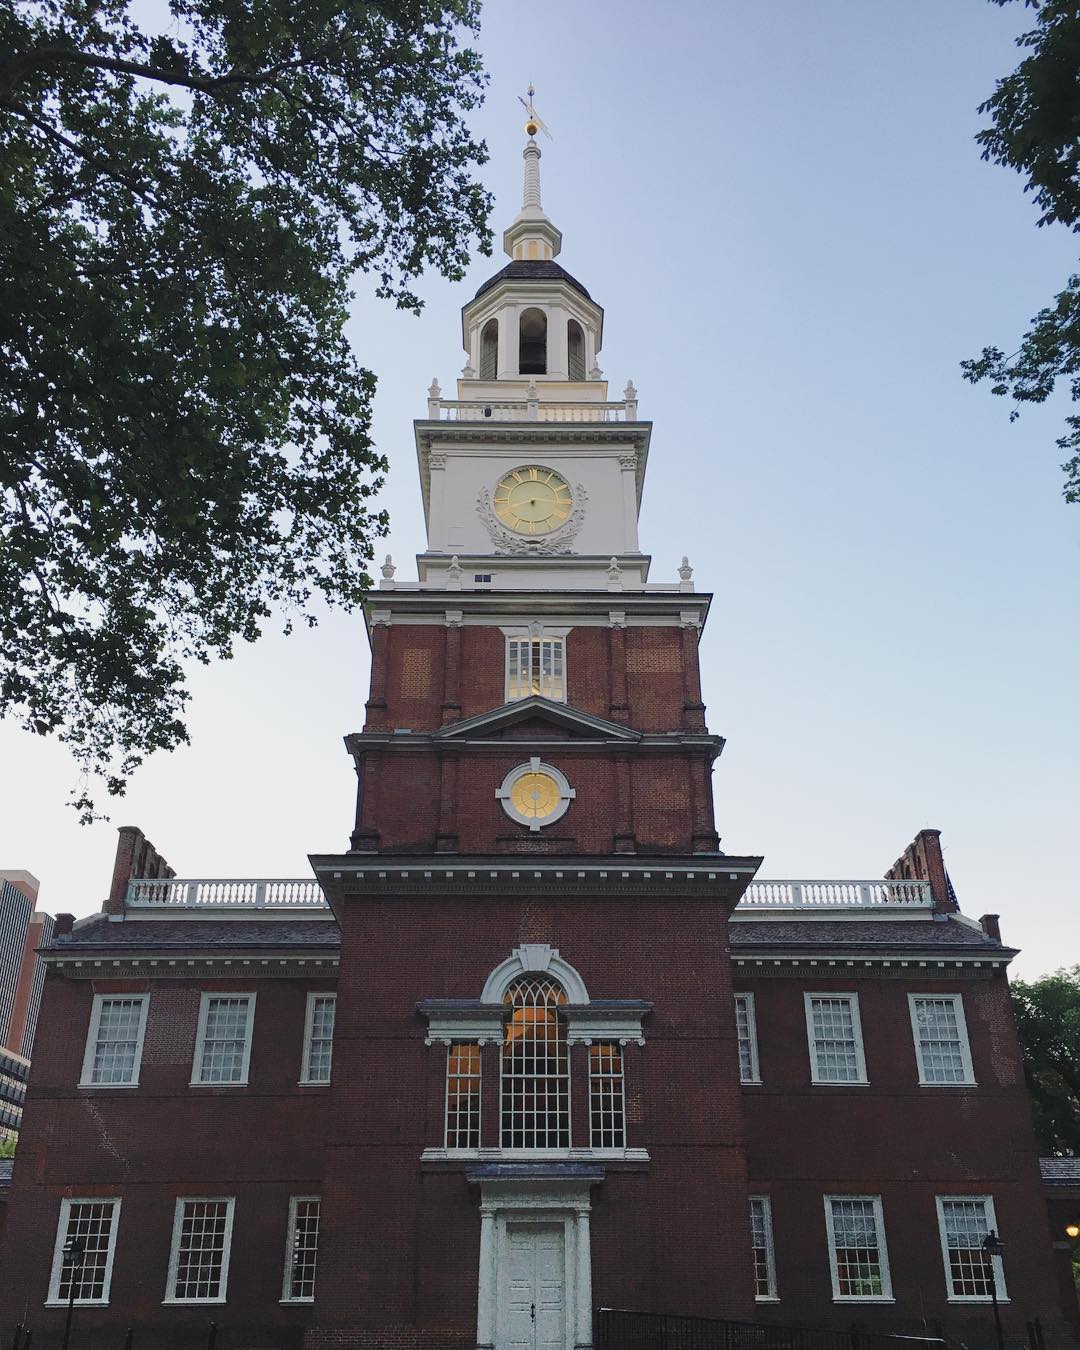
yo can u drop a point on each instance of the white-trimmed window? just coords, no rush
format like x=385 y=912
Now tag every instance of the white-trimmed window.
x=463 y=1095
x=318 y=1038
x=536 y=665
x=223 y=1043
x=199 y=1258
x=834 y=1034
x=941 y=1040
x=114 y=1042
x=607 y=1100
x=301 y=1249
x=858 y=1258
x=93 y=1221
x=761 y=1242
x=970 y=1274
x=746 y=1030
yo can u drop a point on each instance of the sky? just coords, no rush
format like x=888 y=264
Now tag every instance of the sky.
x=784 y=214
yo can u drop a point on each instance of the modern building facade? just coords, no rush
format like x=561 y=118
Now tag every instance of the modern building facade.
x=533 y=1044
x=23 y=930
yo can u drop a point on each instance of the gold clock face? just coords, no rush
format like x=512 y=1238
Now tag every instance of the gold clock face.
x=535 y=795
x=533 y=500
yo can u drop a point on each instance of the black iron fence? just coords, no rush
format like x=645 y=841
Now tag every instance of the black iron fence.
x=620 y=1329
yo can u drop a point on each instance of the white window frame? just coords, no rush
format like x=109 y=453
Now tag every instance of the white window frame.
x=54 y=1300
x=957 y=1000
x=987 y=1202
x=479 y=1079
x=856 y=1028
x=309 y=1027
x=174 y=1249
x=86 y=1079
x=535 y=633
x=770 y=1251
x=200 y=1037
x=751 y=1026
x=290 y=1239
x=886 y=1295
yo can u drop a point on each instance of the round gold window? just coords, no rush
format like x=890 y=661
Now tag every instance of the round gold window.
x=535 y=795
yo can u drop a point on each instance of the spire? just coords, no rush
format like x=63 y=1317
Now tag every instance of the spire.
x=531 y=236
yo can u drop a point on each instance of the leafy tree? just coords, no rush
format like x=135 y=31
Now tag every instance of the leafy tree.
x=1048 y=1020
x=7 y=1145
x=184 y=431
x=1035 y=129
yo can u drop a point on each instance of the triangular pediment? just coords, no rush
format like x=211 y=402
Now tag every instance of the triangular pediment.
x=536 y=716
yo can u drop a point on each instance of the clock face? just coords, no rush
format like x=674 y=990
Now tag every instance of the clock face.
x=535 y=795
x=533 y=500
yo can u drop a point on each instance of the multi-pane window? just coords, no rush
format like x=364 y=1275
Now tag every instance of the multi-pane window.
x=746 y=1031
x=835 y=1037
x=301 y=1249
x=860 y=1263
x=199 y=1261
x=941 y=1043
x=536 y=665
x=91 y=1223
x=223 y=1046
x=318 y=1038
x=964 y=1221
x=535 y=1104
x=607 y=1105
x=463 y=1096
x=761 y=1240
x=115 y=1040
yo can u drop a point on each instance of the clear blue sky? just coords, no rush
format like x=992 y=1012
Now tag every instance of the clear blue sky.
x=783 y=212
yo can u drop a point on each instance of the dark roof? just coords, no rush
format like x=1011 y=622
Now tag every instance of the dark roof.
x=100 y=934
x=1060 y=1171
x=858 y=934
x=525 y=270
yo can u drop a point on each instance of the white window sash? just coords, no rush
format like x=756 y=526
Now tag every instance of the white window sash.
x=957 y=1000
x=528 y=656
x=770 y=1296
x=287 y=1296
x=856 y=1031
x=612 y=1102
x=86 y=1079
x=747 y=1001
x=182 y=1202
x=204 y=1010
x=66 y=1206
x=478 y=1078
x=997 y=1262
x=314 y=996
x=886 y=1295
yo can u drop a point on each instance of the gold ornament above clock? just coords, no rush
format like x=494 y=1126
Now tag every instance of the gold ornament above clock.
x=533 y=500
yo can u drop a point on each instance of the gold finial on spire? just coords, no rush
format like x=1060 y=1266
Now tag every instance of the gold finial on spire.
x=533 y=123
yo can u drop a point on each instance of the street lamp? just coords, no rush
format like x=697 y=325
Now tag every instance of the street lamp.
x=992 y=1247
x=1072 y=1230
x=74 y=1250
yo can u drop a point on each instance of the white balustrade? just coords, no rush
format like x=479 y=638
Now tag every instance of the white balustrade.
x=176 y=893
x=526 y=410
x=837 y=895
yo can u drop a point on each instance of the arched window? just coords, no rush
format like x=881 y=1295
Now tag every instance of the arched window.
x=489 y=350
x=535 y=1066
x=575 y=350
x=532 y=344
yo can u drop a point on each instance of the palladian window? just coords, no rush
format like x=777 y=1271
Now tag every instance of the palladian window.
x=532 y=347
x=535 y=1067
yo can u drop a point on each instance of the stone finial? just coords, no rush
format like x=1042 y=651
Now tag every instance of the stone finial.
x=434 y=398
x=686 y=573
x=468 y=371
x=453 y=575
x=614 y=575
x=630 y=399
x=388 y=569
x=596 y=373
x=434 y=389
x=532 y=411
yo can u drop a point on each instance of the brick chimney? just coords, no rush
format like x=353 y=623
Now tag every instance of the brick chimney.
x=991 y=926
x=135 y=857
x=922 y=861
x=64 y=924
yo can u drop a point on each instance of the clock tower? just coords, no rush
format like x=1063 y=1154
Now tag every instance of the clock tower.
x=535 y=978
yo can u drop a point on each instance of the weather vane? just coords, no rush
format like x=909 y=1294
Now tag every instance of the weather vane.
x=533 y=123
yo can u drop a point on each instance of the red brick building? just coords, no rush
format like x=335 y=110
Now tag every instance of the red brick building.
x=533 y=1045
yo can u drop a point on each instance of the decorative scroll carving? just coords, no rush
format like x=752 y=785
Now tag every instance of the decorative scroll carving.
x=559 y=541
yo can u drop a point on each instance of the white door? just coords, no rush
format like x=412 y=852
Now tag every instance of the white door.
x=533 y=1297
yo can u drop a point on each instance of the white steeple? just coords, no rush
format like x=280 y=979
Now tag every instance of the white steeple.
x=531 y=235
